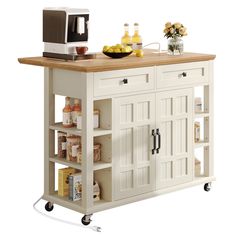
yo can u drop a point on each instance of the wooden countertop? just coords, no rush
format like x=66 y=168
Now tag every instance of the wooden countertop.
x=104 y=63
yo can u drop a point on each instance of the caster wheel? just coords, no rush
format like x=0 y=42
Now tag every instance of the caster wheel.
x=86 y=219
x=49 y=206
x=207 y=187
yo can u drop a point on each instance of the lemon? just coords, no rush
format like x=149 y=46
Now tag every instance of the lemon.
x=117 y=50
x=105 y=48
x=128 y=49
x=110 y=50
x=139 y=53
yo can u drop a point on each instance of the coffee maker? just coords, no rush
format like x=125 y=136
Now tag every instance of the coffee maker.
x=64 y=29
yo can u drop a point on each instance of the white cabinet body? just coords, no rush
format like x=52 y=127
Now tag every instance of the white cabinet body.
x=146 y=131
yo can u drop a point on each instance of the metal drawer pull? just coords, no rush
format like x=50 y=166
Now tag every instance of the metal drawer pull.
x=159 y=140
x=125 y=81
x=154 y=141
x=184 y=74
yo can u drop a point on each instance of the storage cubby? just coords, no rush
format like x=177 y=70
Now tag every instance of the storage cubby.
x=104 y=179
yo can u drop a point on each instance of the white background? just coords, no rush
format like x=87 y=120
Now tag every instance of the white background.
x=211 y=28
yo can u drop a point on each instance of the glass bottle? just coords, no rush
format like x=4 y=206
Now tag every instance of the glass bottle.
x=136 y=38
x=75 y=111
x=67 y=114
x=126 y=39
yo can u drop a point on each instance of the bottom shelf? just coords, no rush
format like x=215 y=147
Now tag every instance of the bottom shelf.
x=103 y=205
x=73 y=205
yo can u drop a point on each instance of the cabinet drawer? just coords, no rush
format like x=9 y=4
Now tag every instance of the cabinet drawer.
x=123 y=81
x=180 y=74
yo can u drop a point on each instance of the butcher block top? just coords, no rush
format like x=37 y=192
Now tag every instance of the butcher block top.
x=104 y=63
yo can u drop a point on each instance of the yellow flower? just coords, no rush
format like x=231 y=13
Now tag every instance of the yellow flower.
x=166 y=30
x=172 y=30
x=182 y=31
x=168 y=25
x=177 y=25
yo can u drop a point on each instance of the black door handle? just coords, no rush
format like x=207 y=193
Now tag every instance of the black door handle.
x=154 y=141
x=184 y=74
x=159 y=140
x=125 y=81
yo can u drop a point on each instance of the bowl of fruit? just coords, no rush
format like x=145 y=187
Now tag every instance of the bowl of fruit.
x=117 y=51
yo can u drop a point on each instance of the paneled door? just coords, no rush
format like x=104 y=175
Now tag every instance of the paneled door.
x=174 y=111
x=133 y=161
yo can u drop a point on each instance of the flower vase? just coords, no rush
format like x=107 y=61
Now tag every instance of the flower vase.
x=175 y=46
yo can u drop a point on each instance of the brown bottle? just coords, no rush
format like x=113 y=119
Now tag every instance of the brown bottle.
x=75 y=111
x=67 y=114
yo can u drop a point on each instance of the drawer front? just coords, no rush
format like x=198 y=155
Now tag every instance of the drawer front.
x=180 y=74
x=123 y=81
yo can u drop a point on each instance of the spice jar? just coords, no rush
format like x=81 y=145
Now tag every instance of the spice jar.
x=96 y=114
x=96 y=153
x=61 y=144
x=73 y=145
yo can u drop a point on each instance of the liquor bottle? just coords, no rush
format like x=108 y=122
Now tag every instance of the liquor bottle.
x=136 y=39
x=67 y=114
x=126 y=39
x=75 y=111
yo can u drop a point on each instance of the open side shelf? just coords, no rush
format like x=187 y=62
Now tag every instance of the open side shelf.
x=96 y=166
x=201 y=114
x=75 y=131
x=201 y=144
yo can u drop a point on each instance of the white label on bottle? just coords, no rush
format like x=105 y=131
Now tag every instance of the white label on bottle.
x=74 y=116
x=67 y=118
x=79 y=122
x=137 y=46
x=63 y=145
x=75 y=150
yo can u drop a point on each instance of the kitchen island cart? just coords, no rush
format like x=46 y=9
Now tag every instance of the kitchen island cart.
x=146 y=126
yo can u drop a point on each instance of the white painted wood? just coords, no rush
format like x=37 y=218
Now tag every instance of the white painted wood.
x=172 y=75
x=133 y=163
x=96 y=165
x=128 y=171
x=87 y=142
x=96 y=132
x=49 y=137
x=103 y=205
x=209 y=124
x=111 y=82
x=174 y=120
x=69 y=83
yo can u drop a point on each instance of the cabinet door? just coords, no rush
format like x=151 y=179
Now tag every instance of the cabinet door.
x=133 y=162
x=174 y=120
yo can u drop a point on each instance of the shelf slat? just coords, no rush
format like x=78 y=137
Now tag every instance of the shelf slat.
x=75 y=131
x=201 y=144
x=201 y=114
x=96 y=166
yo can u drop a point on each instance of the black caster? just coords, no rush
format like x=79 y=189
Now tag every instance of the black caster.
x=86 y=219
x=207 y=187
x=48 y=206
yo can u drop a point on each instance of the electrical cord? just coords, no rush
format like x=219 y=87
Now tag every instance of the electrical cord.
x=95 y=228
